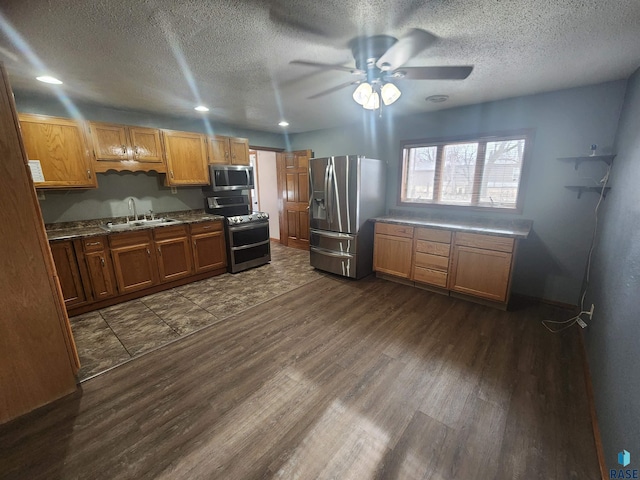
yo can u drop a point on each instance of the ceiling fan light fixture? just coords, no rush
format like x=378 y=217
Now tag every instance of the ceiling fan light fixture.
x=390 y=93
x=362 y=94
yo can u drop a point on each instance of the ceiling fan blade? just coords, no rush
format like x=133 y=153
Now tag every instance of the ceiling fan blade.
x=327 y=66
x=431 y=73
x=407 y=47
x=334 y=89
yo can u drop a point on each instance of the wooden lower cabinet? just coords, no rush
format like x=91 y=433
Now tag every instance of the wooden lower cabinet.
x=64 y=257
x=392 y=251
x=173 y=253
x=99 y=267
x=134 y=261
x=209 y=247
x=471 y=264
x=481 y=265
x=95 y=271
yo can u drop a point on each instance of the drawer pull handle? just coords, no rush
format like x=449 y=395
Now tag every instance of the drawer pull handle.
x=206 y=227
x=90 y=244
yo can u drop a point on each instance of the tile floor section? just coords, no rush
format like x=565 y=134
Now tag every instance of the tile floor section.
x=116 y=334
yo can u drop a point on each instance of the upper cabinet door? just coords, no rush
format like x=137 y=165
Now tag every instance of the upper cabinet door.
x=124 y=148
x=239 y=151
x=219 y=151
x=186 y=155
x=109 y=141
x=59 y=144
x=146 y=145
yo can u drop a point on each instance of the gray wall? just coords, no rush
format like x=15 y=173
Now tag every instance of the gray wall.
x=551 y=262
x=613 y=335
x=109 y=199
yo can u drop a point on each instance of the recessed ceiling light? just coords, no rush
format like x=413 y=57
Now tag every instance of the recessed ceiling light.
x=48 y=79
x=284 y=123
x=201 y=108
x=437 y=98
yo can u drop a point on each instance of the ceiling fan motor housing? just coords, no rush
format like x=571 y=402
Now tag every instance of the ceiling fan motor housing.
x=367 y=50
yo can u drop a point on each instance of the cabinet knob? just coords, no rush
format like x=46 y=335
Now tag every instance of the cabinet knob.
x=171 y=172
x=148 y=252
x=136 y=150
x=102 y=261
x=89 y=174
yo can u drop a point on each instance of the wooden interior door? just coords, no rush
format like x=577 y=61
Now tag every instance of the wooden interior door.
x=38 y=358
x=293 y=196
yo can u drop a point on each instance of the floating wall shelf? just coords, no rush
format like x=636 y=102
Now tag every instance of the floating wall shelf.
x=608 y=159
x=588 y=188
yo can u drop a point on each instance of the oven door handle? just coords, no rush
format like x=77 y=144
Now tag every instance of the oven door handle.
x=248 y=226
x=253 y=245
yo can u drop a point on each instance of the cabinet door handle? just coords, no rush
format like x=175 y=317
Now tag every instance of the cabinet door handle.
x=102 y=261
x=124 y=149
x=159 y=251
x=194 y=244
x=171 y=172
x=148 y=252
x=89 y=174
x=136 y=150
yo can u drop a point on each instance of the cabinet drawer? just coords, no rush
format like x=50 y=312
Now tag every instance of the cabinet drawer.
x=431 y=261
x=206 y=227
x=94 y=244
x=173 y=231
x=435 y=235
x=395 y=230
x=129 y=238
x=434 y=248
x=433 y=277
x=487 y=242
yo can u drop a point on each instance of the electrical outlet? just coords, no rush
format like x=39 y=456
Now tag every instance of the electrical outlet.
x=591 y=311
x=581 y=322
x=174 y=190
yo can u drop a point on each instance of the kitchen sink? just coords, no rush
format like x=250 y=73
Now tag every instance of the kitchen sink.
x=138 y=224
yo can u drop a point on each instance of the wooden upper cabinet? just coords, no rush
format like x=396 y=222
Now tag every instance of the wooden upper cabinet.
x=60 y=145
x=186 y=155
x=228 y=150
x=122 y=147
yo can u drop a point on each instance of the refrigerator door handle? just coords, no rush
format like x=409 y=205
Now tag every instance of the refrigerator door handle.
x=327 y=191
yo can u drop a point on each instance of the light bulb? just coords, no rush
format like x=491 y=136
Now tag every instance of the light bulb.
x=362 y=94
x=373 y=103
x=390 y=93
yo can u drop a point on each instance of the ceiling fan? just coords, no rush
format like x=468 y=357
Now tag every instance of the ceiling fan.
x=378 y=62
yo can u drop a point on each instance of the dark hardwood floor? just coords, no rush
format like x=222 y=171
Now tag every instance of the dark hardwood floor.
x=335 y=379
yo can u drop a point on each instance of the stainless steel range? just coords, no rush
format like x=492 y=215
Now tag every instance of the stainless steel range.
x=247 y=233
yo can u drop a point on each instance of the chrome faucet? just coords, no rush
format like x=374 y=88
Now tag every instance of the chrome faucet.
x=132 y=209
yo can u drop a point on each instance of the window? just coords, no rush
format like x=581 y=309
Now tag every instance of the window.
x=482 y=172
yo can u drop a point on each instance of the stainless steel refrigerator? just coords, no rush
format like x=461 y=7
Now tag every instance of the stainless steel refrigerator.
x=346 y=191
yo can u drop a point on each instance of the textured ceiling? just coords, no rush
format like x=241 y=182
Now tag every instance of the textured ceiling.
x=233 y=56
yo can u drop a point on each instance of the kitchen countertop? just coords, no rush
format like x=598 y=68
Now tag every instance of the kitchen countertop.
x=91 y=228
x=503 y=228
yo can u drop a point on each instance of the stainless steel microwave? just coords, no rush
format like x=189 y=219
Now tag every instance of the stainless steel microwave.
x=231 y=177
